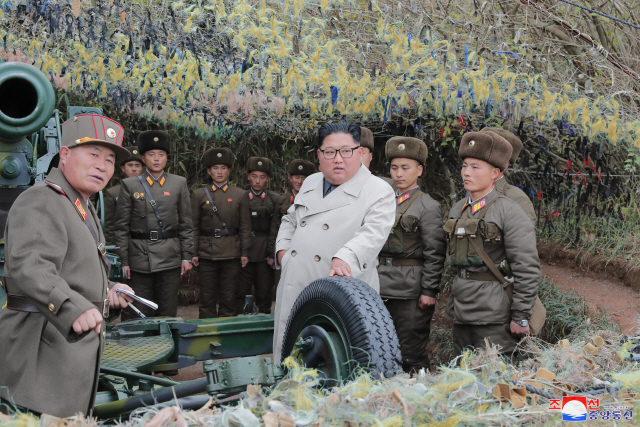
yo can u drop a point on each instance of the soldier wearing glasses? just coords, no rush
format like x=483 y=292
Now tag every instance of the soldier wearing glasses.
x=336 y=226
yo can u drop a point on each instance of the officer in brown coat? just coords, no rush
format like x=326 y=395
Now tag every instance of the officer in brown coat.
x=52 y=332
x=153 y=231
x=263 y=205
x=511 y=191
x=488 y=225
x=412 y=259
x=222 y=230
x=298 y=170
x=133 y=166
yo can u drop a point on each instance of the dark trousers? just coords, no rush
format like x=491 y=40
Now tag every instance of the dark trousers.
x=257 y=275
x=218 y=281
x=473 y=336
x=160 y=287
x=412 y=327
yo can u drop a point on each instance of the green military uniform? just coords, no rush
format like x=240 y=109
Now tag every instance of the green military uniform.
x=111 y=200
x=296 y=167
x=412 y=260
x=511 y=191
x=258 y=274
x=154 y=246
x=479 y=305
x=54 y=273
x=221 y=238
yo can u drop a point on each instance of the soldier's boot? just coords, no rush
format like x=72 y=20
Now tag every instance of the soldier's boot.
x=247 y=278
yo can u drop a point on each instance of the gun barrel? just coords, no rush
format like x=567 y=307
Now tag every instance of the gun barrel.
x=27 y=100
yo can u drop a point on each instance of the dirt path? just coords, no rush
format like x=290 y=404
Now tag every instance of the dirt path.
x=622 y=302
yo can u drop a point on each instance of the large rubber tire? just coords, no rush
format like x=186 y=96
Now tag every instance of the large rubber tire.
x=351 y=310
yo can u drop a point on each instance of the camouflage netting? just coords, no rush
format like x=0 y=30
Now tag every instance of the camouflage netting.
x=479 y=389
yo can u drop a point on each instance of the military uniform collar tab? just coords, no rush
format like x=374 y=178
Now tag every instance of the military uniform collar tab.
x=224 y=187
x=151 y=180
x=253 y=194
x=481 y=202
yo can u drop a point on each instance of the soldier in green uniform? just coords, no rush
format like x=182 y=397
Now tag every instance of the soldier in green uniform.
x=489 y=226
x=299 y=170
x=57 y=277
x=222 y=229
x=263 y=205
x=131 y=167
x=153 y=228
x=366 y=142
x=412 y=259
x=511 y=191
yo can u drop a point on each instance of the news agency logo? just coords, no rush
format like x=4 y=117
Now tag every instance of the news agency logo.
x=581 y=408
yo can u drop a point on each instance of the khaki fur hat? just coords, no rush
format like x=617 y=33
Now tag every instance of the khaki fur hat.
x=366 y=138
x=154 y=140
x=487 y=146
x=515 y=142
x=260 y=164
x=94 y=129
x=218 y=156
x=135 y=155
x=301 y=167
x=406 y=148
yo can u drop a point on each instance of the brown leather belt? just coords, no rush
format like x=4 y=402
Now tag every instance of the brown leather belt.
x=401 y=261
x=219 y=232
x=20 y=303
x=482 y=277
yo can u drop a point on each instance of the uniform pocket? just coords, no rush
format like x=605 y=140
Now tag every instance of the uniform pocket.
x=48 y=332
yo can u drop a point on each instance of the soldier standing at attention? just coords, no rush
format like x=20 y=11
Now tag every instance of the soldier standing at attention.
x=153 y=229
x=511 y=191
x=488 y=225
x=57 y=277
x=263 y=205
x=222 y=229
x=131 y=167
x=412 y=259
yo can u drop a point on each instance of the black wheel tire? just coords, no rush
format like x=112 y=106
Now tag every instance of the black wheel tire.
x=352 y=309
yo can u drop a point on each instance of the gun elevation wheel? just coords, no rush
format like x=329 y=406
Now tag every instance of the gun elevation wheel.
x=339 y=325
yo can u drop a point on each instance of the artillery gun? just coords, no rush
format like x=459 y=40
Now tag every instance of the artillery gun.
x=338 y=325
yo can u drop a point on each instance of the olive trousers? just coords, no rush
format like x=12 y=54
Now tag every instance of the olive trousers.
x=413 y=326
x=259 y=276
x=160 y=287
x=218 y=283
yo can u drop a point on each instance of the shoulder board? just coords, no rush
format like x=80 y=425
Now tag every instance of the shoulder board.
x=56 y=187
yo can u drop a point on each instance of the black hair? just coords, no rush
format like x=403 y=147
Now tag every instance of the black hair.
x=342 y=127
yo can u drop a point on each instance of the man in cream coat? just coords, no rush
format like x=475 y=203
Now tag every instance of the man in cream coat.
x=336 y=226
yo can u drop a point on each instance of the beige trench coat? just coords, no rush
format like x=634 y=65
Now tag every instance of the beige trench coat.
x=351 y=223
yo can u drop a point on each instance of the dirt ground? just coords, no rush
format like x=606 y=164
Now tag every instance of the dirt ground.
x=621 y=302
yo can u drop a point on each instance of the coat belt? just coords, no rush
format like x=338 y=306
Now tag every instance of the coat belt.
x=20 y=303
x=401 y=261
x=482 y=277
x=155 y=235
x=219 y=232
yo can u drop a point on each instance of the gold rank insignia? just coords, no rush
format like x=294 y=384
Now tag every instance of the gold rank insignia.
x=149 y=181
x=403 y=198
x=162 y=181
x=481 y=204
x=80 y=209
